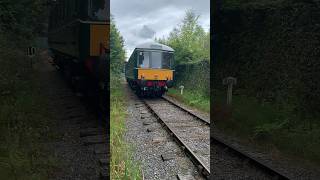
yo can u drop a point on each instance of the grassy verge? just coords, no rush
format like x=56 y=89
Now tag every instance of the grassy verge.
x=122 y=164
x=269 y=126
x=24 y=122
x=191 y=98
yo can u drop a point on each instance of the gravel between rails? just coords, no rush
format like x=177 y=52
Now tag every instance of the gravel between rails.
x=151 y=143
x=193 y=132
x=225 y=164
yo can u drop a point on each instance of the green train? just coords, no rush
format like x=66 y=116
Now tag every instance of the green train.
x=150 y=70
x=78 y=37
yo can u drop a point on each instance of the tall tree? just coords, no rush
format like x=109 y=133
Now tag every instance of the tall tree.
x=189 y=40
x=117 y=54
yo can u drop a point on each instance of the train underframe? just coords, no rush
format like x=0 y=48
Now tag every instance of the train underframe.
x=84 y=79
x=150 y=88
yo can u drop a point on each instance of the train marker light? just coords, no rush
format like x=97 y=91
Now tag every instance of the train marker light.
x=230 y=81
x=181 y=89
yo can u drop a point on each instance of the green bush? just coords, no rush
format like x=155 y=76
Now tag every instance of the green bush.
x=194 y=76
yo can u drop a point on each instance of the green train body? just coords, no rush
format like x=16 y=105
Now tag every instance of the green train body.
x=149 y=70
x=78 y=38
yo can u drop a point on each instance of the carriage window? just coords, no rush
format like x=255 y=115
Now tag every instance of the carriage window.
x=144 y=60
x=97 y=10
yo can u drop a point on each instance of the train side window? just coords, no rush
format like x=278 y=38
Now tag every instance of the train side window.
x=76 y=7
x=89 y=8
x=97 y=10
x=140 y=59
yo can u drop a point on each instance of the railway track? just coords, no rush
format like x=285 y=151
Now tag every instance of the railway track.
x=191 y=132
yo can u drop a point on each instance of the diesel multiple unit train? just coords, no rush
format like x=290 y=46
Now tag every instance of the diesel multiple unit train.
x=78 y=37
x=149 y=70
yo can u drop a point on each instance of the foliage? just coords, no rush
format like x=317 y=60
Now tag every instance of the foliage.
x=272 y=52
x=24 y=122
x=271 y=48
x=122 y=164
x=266 y=125
x=22 y=18
x=189 y=40
x=117 y=54
x=185 y=75
x=192 y=55
x=191 y=98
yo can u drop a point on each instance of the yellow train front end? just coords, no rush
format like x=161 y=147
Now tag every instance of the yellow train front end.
x=154 y=81
x=155 y=74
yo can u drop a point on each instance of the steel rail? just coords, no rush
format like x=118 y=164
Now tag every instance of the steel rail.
x=221 y=142
x=204 y=170
x=276 y=174
x=207 y=122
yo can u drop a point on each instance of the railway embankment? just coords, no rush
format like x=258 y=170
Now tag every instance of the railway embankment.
x=122 y=165
x=25 y=124
x=194 y=78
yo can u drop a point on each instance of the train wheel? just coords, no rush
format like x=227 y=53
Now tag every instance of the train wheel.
x=159 y=93
x=139 y=92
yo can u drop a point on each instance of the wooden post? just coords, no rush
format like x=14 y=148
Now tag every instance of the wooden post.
x=229 y=81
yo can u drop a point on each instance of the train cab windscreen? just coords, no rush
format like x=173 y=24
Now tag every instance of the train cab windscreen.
x=155 y=59
x=98 y=10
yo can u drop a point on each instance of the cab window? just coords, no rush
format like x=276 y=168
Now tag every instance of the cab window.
x=156 y=58
x=144 y=60
x=167 y=61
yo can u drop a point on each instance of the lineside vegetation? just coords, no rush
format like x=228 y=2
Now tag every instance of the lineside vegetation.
x=24 y=122
x=191 y=43
x=122 y=164
x=271 y=48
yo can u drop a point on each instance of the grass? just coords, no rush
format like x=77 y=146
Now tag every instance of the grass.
x=191 y=98
x=269 y=126
x=24 y=122
x=122 y=164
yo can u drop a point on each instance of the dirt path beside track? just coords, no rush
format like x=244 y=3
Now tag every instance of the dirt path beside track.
x=81 y=143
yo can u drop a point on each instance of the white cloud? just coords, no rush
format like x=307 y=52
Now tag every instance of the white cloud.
x=136 y=19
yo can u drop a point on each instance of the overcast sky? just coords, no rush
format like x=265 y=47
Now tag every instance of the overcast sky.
x=141 y=21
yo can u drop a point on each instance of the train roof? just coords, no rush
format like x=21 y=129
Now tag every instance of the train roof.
x=155 y=46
